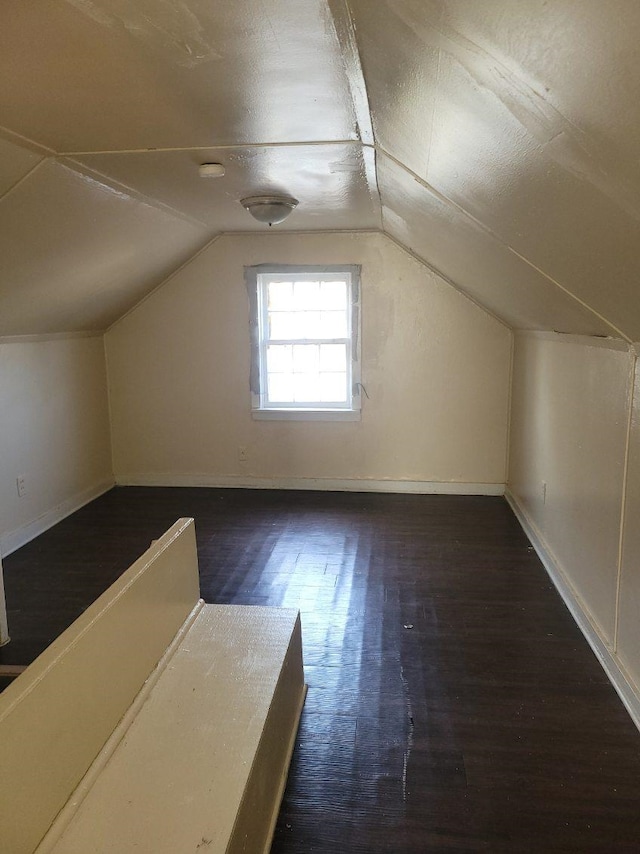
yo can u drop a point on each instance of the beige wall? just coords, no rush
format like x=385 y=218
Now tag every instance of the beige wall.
x=569 y=428
x=54 y=430
x=628 y=642
x=435 y=366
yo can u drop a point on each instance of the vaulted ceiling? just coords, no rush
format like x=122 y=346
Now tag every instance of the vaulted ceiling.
x=497 y=140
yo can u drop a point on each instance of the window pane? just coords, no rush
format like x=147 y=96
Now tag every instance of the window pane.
x=280 y=296
x=280 y=388
x=333 y=295
x=334 y=324
x=306 y=358
x=333 y=387
x=279 y=358
x=306 y=296
x=333 y=357
x=312 y=324
x=306 y=388
x=284 y=325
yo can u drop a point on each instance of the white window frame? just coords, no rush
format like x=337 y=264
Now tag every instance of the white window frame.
x=257 y=279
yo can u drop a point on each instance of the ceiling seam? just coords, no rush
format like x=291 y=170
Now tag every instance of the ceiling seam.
x=433 y=269
x=24 y=178
x=19 y=139
x=488 y=231
x=300 y=232
x=217 y=147
x=131 y=191
x=164 y=282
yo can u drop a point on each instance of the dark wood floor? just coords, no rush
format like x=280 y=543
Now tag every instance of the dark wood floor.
x=453 y=705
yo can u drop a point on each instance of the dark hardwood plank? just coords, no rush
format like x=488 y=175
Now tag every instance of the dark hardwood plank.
x=453 y=704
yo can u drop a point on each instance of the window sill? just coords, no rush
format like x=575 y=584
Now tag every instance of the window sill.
x=305 y=414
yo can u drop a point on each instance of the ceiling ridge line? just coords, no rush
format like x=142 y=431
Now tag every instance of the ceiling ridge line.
x=227 y=147
x=345 y=30
x=486 y=230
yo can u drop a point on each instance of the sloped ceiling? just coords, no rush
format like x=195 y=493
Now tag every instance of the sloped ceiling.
x=496 y=141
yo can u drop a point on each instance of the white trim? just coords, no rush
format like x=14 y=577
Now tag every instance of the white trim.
x=258 y=280
x=320 y=484
x=294 y=414
x=47 y=336
x=606 y=343
x=629 y=692
x=12 y=540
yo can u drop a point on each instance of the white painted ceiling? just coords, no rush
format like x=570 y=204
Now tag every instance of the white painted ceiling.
x=498 y=140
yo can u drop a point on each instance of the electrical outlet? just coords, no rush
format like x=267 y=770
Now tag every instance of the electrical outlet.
x=242 y=453
x=21 y=485
x=544 y=491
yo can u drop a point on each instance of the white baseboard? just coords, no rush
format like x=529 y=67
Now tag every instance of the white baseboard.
x=620 y=679
x=12 y=540
x=321 y=484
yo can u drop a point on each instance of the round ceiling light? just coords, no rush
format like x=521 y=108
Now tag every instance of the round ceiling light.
x=269 y=209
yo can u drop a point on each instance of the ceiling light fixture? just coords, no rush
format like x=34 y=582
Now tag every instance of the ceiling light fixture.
x=211 y=170
x=269 y=209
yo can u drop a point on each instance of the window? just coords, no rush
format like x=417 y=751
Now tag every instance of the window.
x=305 y=361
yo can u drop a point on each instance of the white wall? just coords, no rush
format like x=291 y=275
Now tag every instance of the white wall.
x=569 y=428
x=435 y=366
x=54 y=430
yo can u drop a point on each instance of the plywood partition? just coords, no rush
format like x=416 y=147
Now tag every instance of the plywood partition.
x=203 y=764
x=57 y=716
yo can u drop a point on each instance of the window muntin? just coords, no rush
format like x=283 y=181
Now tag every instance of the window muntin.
x=306 y=323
